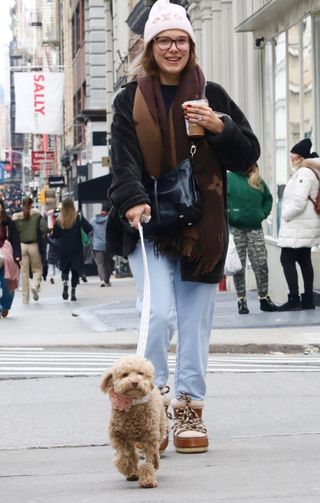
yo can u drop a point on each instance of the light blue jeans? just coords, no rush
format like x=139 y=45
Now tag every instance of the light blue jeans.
x=6 y=297
x=187 y=305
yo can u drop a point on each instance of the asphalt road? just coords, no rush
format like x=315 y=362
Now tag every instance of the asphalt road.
x=264 y=443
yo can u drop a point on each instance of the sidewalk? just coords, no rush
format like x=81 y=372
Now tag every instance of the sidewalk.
x=105 y=317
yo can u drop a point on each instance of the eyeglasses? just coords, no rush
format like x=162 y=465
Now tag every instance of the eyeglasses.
x=165 y=43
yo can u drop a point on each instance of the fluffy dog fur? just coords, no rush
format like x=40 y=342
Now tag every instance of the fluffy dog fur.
x=143 y=424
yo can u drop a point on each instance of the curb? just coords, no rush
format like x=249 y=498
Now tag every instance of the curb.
x=213 y=348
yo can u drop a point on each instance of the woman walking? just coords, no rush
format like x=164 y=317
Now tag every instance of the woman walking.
x=185 y=261
x=10 y=258
x=300 y=225
x=67 y=230
x=249 y=203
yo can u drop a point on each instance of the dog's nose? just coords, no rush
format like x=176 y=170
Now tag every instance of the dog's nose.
x=134 y=383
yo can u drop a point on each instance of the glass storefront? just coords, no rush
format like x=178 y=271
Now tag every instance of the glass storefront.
x=290 y=105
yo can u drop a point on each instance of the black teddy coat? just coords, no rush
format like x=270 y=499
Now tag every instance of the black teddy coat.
x=237 y=148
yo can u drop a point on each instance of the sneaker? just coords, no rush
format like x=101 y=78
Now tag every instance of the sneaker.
x=65 y=294
x=102 y=284
x=35 y=294
x=189 y=432
x=242 y=306
x=266 y=304
x=4 y=313
x=73 y=294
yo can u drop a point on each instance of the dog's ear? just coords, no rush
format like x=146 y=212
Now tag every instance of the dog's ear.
x=106 y=383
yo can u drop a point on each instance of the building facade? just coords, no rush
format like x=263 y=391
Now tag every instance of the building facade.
x=286 y=39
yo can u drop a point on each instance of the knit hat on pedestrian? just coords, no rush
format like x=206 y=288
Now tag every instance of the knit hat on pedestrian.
x=166 y=16
x=302 y=148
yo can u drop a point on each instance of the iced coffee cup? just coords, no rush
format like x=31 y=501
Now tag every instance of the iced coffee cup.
x=194 y=130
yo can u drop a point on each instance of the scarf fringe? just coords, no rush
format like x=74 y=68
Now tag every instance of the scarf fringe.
x=191 y=249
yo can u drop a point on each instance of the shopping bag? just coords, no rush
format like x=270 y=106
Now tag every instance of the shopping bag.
x=233 y=263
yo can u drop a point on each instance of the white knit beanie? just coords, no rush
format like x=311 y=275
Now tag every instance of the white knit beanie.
x=166 y=16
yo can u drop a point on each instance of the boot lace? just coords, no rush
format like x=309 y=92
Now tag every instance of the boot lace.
x=187 y=419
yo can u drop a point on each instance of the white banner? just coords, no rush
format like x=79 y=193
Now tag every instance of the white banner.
x=39 y=102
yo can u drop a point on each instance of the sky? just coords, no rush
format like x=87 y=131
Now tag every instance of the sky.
x=5 y=37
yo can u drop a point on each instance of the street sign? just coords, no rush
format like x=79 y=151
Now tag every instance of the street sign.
x=40 y=159
x=56 y=181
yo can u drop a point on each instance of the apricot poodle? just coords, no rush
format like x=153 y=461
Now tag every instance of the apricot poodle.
x=138 y=418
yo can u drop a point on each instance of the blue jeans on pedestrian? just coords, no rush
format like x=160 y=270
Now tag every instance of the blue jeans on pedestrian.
x=6 y=298
x=193 y=303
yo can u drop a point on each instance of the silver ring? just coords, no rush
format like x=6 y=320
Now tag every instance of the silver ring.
x=145 y=219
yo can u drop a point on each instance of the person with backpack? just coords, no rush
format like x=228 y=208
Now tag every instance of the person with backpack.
x=300 y=225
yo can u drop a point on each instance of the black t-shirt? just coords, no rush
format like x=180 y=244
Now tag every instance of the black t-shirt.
x=168 y=93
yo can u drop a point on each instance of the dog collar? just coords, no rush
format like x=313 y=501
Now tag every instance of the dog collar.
x=139 y=401
x=121 y=402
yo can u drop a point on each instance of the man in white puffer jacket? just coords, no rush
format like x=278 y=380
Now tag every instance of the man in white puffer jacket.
x=300 y=225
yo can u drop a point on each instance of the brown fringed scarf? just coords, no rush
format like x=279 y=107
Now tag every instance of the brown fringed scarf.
x=164 y=144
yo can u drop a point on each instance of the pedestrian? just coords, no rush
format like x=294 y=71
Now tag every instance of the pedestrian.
x=103 y=259
x=249 y=203
x=68 y=230
x=53 y=253
x=32 y=228
x=10 y=258
x=300 y=225
x=52 y=250
x=185 y=263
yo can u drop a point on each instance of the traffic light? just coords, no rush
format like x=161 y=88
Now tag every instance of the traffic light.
x=42 y=196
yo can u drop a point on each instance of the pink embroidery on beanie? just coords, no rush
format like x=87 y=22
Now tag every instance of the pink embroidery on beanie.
x=119 y=402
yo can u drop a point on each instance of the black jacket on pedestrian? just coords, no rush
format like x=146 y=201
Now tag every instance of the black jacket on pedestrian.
x=10 y=232
x=236 y=148
x=71 y=248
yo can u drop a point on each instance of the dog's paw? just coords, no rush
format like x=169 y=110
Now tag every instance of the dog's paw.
x=133 y=477
x=147 y=478
x=149 y=485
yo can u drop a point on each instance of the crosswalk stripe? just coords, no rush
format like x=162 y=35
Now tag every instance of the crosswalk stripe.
x=34 y=362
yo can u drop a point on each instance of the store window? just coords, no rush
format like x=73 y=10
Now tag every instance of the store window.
x=307 y=79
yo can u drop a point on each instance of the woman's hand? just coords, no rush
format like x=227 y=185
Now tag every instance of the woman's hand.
x=138 y=214
x=204 y=116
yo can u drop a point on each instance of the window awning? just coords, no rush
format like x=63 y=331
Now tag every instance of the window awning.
x=95 y=190
x=269 y=12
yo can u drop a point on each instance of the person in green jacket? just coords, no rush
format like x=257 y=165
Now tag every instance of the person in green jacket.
x=249 y=203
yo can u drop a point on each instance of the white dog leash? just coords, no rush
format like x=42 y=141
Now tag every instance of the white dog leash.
x=145 y=312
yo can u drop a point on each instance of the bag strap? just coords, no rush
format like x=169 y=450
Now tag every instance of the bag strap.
x=314 y=171
x=145 y=313
x=318 y=178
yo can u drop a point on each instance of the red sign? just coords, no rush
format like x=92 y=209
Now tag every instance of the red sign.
x=41 y=160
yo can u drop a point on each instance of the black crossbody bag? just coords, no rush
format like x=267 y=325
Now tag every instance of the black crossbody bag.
x=176 y=195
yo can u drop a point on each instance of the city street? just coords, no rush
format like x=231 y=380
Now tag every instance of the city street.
x=262 y=410
x=264 y=443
